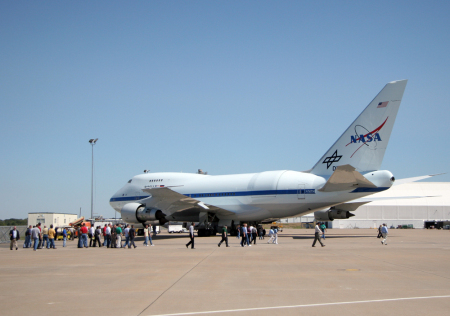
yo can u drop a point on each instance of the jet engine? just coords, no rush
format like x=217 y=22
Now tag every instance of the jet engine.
x=138 y=213
x=332 y=214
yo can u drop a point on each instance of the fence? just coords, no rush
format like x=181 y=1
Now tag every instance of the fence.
x=4 y=233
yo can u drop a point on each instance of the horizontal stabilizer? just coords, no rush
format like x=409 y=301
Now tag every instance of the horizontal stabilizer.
x=414 y=179
x=346 y=178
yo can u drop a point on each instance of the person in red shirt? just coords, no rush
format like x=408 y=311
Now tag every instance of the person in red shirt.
x=104 y=234
x=84 y=231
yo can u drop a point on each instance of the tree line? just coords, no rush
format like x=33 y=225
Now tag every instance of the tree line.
x=14 y=222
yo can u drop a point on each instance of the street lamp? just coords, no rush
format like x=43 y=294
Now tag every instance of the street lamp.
x=92 y=141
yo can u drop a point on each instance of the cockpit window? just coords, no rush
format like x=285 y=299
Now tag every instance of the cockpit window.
x=129 y=181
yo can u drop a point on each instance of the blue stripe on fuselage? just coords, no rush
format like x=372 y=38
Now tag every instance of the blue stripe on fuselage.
x=225 y=194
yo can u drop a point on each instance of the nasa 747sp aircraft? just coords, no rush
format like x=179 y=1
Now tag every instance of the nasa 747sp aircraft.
x=348 y=171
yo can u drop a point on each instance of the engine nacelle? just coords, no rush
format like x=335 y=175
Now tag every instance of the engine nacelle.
x=332 y=214
x=138 y=213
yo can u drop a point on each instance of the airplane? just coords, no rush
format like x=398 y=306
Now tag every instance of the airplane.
x=334 y=187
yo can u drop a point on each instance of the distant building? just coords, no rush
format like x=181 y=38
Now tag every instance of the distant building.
x=428 y=205
x=47 y=218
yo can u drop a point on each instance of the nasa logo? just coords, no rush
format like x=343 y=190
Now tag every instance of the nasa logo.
x=364 y=137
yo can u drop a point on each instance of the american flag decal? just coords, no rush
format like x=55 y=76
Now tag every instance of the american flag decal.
x=382 y=104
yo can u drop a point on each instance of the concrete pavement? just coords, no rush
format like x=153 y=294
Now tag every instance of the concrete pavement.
x=353 y=275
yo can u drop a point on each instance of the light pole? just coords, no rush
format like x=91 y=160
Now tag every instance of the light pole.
x=92 y=141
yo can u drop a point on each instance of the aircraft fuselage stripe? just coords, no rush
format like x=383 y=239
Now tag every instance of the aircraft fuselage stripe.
x=248 y=193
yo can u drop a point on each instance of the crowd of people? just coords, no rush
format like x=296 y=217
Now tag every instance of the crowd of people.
x=38 y=237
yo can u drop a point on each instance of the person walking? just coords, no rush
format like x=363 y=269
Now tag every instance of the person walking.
x=238 y=235
x=224 y=236
x=14 y=236
x=51 y=238
x=98 y=233
x=254 y=233
x=64 y=233
x=275 y=235
x=104 y=235
x=271 y=235
x=126 y=232
x=132 y=234
x=191 y=235
x=384 y=233
x=244 y=232
x=35 y=235
x=114 y=236
x=91 y=235
x=147 y=236
x=317 y=233
x=323 y=227
x=260 y=232
x=45 y=237
x=118 y=236
x=80 y=239
x=108 y=235
x=379 y=232
x=27 y=242
x=84 y=235
x=38 y=226
x=249 y=234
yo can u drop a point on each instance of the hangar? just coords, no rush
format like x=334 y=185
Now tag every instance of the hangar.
x=429 y=204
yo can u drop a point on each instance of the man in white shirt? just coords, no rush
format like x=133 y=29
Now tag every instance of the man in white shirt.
x=91 y=236
x=108 y=235
x=191 y=235
x=126 y=232
x=384 y=233
x=275 y=233
x=317 y=232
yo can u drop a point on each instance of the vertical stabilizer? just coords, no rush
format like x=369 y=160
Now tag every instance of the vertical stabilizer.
x=364 y=143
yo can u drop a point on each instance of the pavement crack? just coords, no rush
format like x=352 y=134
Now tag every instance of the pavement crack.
x=179 y=279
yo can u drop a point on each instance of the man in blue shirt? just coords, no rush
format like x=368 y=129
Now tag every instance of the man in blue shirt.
x=64 y=236
x=384 y=233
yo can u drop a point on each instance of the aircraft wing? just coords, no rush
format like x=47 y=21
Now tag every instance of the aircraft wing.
x=170 y=201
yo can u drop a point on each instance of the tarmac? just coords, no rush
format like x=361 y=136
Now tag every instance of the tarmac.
x=353 y=275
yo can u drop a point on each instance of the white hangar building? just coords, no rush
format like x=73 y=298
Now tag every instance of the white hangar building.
x=433 y=207
x=418 y=212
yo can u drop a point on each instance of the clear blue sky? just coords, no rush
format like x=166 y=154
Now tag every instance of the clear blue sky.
x=226 y=86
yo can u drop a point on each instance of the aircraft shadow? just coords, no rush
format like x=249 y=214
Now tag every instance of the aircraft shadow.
x=328 y=236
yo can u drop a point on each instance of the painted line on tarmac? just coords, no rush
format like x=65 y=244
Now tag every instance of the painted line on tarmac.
x=305 y=305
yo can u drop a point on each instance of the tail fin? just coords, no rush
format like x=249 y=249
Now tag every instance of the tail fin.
x=364 y=143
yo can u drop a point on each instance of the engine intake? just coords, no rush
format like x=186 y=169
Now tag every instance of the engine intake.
x=138 y=213
x=332 y=214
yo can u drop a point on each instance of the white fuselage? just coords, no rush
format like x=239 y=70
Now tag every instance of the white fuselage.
x=251 y=197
